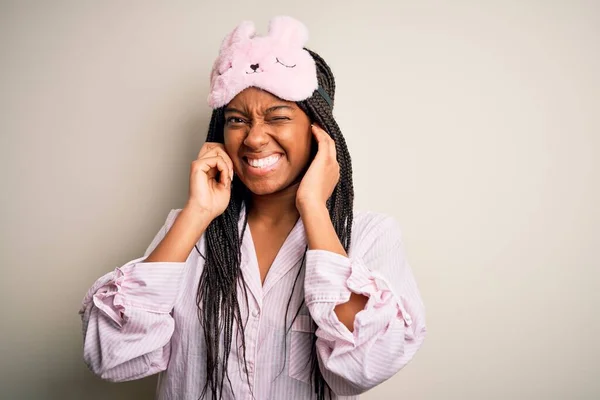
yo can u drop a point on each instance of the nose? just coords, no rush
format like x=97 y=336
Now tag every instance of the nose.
x=254 y=67
x=257 y=137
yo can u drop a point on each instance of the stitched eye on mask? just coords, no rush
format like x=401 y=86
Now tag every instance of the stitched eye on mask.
x=285 y=65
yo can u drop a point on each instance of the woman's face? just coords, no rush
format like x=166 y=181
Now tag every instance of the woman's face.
x=268 y=140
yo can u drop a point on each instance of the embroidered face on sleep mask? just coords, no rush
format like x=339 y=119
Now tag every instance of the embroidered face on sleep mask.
x=276 y=63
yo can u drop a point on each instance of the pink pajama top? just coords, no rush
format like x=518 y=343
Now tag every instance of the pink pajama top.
x=142 y=318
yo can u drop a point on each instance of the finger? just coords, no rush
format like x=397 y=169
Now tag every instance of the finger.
x=320 y=137
x=318 y=132
x=223 y=154
x=333 y=150
x=207 y=147
x=212 y=165
x=220 y=152
x=227 y=175
x=324 y=141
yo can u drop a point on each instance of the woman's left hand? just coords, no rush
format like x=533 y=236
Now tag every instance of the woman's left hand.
x=322 y=175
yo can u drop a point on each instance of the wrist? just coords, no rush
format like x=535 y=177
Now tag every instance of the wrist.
x=311 y=206
x=320 y=233
x=181 y=238
x=195 y=219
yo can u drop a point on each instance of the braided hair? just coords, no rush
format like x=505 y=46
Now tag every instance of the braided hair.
x=217 y=298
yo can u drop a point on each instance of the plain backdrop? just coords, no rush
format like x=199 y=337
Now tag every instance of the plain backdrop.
x=475 y=123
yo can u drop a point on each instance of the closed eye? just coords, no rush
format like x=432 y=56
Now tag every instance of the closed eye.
x=285 y=65
x=279 y=119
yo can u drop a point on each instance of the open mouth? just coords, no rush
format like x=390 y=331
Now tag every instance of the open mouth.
x=263 y=163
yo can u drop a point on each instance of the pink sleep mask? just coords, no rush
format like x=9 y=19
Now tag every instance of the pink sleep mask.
x=277 y=63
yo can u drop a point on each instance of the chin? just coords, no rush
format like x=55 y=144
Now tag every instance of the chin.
x=264 y=188
x=267 y=186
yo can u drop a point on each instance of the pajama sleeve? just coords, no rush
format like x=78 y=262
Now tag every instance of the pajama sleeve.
x=390 y=329
x=126 y=318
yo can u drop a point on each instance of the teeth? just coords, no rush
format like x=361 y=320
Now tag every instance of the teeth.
x=264 y=162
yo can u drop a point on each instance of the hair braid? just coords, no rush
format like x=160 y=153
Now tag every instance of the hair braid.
x=217 y=297
x=340 y=204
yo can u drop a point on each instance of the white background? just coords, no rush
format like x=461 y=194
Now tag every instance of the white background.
x=475 y=123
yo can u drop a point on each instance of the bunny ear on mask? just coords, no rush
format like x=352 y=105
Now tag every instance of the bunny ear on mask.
x=276 y=63
x=288 y=30
x=243 y=31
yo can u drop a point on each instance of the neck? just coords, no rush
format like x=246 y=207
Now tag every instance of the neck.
x=275 y=208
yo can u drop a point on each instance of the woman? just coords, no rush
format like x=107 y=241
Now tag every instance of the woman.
x=265 y=285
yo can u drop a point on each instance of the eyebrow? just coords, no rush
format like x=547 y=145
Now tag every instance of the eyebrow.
x=234 y=110
x=276 y=108
x=269 y=110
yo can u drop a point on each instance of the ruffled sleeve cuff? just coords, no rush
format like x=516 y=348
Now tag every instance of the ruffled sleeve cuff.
x=151 y=287
x=330 y=278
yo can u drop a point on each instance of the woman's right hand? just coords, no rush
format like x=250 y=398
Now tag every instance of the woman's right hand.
x=208 y=199
x=207 y=194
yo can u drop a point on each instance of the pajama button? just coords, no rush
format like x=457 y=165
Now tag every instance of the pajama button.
x=255 y=313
